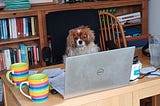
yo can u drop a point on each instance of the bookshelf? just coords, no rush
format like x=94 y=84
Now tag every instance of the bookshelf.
x=40 y=11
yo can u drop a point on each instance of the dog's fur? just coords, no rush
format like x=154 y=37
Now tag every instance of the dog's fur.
x=81 y=41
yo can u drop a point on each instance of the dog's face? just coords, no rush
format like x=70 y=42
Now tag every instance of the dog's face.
x=80 y=37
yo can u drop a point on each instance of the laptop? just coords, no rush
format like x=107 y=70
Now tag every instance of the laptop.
x=95 y=72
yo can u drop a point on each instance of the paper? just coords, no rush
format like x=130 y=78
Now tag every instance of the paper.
x=56 y=78
x=150 y=69
x=58 y=83
x=53 y=72
x=32 y=72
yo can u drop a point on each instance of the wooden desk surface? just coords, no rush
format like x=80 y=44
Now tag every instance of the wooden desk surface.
x=123 y=96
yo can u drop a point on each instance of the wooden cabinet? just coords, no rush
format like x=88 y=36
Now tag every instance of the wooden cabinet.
x=40 y=12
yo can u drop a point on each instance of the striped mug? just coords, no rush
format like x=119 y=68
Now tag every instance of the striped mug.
x=38 y=87
x=18 y=73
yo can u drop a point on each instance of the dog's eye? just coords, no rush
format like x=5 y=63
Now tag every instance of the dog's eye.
x=85 y=36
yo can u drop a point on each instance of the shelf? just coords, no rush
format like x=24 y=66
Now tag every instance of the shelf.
x=145 y=36
x=89 y=5
x=128 y=25
x=17 y=40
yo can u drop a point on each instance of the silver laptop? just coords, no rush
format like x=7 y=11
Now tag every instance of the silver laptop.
x=94 y=72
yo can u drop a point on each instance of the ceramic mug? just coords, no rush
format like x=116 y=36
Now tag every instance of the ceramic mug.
x=19 y=72
x=38 y=87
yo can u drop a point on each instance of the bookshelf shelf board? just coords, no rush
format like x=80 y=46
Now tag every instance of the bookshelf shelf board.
x=128 y=25
x=144 y=36
x=89 y=5
x=17 y=40
x=17 y=13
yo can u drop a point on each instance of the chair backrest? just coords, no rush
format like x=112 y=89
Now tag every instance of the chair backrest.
x=111 y=30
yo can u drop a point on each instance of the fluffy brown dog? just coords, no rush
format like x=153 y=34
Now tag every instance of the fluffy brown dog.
x=81 y=41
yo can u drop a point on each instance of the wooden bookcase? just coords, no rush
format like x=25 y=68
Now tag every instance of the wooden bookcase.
x=41 y=38
x=40 y=12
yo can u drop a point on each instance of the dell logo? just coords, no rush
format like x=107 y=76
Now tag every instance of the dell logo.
x=100 y=71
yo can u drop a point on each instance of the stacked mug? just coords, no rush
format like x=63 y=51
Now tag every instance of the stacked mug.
x=18 y=73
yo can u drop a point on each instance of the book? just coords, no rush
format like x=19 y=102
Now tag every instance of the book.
x=7 y=58
x=1 y=60
x=1 y=30
x=23 y=51
x=130 y=16
x=37 y=50
x=12 y=55
x=35 y=54
x=19 y=55
x=14 y=28
x=30 y=55
x=18 y=27
x=21 y=28
x=26 y=26
x=33 y=31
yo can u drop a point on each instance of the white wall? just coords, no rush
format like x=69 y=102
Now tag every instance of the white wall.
x=154 y=17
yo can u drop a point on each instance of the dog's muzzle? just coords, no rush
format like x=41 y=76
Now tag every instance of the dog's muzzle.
x=80 y=42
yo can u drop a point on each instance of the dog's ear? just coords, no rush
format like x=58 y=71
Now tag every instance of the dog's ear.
x=91 y=36
x=70 y=39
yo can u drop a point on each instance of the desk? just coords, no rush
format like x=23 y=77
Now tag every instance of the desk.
x=129 y=95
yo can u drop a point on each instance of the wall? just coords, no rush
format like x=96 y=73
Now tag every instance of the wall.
x=154 y=17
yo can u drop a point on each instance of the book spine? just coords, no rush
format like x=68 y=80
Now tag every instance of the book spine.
x=10 y=28
x=14 y=28
x=22 y=48
x=37 y=50
x=35 y=54
x=130 y=16
x=33 y=26
x=26 y=26
x=12 y=55
x=1 y=61
x=18 y=27
x=1 y=32
x=19 y=55
x=30 y=55
x=21 y=28
x=7 y=58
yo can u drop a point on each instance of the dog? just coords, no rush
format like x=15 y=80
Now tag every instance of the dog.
x=80 y=41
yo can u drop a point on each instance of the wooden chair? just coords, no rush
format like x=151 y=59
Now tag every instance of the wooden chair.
x=111 y=30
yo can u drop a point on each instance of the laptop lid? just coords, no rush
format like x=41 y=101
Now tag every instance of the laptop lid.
x=97 y=71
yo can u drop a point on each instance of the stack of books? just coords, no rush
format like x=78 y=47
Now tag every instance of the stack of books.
x=17 y=4
x=130 y=18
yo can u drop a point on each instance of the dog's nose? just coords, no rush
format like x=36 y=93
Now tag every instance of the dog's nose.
x=80 y=42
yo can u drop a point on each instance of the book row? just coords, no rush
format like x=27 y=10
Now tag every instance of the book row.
x=23 y=53
x=17 y=27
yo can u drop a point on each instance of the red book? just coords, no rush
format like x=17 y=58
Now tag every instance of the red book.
x=21 y=28
x=1 y=62
x=18 y=27
x=35 y=54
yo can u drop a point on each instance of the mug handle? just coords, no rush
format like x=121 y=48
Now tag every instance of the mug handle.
x=8 y=78
x=21 y=90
